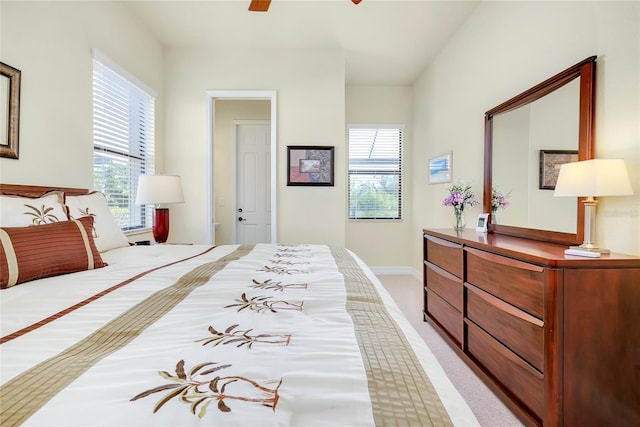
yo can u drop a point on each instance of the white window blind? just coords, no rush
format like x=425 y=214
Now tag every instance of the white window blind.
x=123 y=142
x=375 y=172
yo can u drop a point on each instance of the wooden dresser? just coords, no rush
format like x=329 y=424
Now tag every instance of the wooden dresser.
x=556 y=338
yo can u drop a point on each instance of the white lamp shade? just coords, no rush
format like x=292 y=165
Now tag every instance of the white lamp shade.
x=159 y=189
x=593 y=178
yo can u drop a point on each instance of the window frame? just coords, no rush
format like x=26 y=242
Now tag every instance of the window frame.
x=399 y=173
x=132 y=151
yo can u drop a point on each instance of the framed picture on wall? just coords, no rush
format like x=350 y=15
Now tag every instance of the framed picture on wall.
x=310 y=165
x=9 y=110
x=550 y=162
x=440 y=168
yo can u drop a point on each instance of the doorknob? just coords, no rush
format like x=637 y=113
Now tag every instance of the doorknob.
x=241 y=219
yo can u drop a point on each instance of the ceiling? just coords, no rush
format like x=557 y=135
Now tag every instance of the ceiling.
x=386 y=42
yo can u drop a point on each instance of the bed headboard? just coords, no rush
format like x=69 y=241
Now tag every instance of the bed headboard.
x=36 y=190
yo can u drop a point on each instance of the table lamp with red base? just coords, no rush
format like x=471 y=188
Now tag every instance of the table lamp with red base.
x=159 y=190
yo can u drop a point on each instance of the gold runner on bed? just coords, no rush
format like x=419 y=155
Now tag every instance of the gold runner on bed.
x=401 y=394
x=23 y=395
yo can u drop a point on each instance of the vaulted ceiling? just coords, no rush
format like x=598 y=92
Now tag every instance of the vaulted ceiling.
x=386 y=42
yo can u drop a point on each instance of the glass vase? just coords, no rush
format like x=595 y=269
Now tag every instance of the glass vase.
x=459 y=222
x=494 y=217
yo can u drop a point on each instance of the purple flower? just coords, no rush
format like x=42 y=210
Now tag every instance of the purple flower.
x=499 y=200
x=460 y=195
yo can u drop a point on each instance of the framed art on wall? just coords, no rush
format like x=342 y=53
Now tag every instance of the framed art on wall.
x=440 y=169
x=550 y=162
x=9 y=110
x=310 y=165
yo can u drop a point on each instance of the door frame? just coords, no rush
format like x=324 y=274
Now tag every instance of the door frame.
x=212 y=95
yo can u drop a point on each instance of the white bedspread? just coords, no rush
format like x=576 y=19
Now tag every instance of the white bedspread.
x=265 y=340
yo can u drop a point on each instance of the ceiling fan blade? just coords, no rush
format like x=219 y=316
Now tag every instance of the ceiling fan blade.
x=259 y=5
x=263 y=5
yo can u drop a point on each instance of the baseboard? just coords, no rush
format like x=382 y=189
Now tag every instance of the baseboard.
x=382 y=271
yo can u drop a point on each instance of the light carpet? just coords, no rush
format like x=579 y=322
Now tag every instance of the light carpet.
x=488 y=409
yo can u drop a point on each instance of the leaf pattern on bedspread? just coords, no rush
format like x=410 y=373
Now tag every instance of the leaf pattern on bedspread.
x=293 y=248
x=277 y=286
x=243 y=338
x=285 y=262
x=281 y=270
x=261 y=303
x=291 y=255
x=199 y=387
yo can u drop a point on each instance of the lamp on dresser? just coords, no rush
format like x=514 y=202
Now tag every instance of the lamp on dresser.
x=159 y=190
x=592 y=178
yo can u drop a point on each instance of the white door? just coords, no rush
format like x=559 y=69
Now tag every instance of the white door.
x=253 y=199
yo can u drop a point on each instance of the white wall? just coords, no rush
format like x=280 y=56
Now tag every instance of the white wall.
x=503 y=49
x=50 y=42
x=310 y=111
x=384 y=243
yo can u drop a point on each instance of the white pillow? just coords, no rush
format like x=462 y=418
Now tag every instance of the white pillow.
x=106 y=232
x=22 y=211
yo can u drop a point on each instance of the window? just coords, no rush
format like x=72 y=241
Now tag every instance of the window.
x=123 y=140
x=375 y=172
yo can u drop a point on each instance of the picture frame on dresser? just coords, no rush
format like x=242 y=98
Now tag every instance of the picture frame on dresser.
x=481 y=222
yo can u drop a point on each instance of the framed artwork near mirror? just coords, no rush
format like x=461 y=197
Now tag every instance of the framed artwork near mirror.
x=310 y=165
x=550 y=162
x=9 y=110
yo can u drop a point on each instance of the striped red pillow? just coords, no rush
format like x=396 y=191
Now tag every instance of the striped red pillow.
x=29 y=253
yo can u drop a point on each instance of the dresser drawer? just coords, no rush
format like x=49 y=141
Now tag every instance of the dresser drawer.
x=445 y=254
x=516 y=282
x=517 y=330
x=524 y=382
x=446 y=315
x=445 y=284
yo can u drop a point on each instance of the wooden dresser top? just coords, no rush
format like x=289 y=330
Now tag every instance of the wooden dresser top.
x=537 y=252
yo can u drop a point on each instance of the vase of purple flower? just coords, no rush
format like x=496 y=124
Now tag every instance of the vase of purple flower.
x=498 y=201
x=460 y=195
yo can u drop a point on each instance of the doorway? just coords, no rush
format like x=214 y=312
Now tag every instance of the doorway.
x=217 y=202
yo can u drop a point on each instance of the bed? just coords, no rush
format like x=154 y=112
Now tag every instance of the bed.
x=181 y=335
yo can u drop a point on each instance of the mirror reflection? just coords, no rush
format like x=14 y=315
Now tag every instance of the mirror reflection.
x=550 y=123
x=4 y=109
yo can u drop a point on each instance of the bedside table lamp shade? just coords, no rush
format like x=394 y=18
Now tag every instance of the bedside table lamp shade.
x=592 y=178
x=159 y=190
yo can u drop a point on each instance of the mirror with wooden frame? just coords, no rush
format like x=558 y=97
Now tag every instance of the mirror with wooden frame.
x=555 y=116
x=9 y=110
